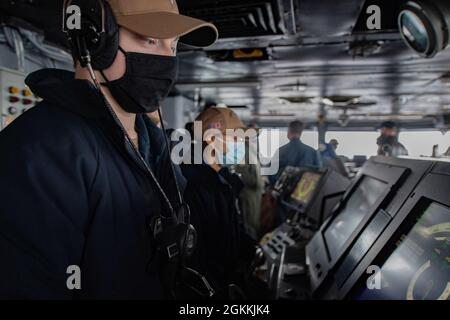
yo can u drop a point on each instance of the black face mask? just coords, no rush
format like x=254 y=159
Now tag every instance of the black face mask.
x=147 y=81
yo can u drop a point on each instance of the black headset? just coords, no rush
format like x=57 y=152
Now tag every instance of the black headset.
x=97 y=39
x=95 y=45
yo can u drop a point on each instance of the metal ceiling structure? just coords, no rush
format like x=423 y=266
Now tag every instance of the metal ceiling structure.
x=284 y=59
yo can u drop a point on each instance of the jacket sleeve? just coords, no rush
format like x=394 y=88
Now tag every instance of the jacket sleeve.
x=45 y=177
x=318 y=160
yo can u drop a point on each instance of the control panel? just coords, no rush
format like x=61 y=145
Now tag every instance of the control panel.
x=275 y=243
x=15 y=96
x=285 y=236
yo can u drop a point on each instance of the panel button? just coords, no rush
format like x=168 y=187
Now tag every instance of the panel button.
x=27 y=93
x=13 y=99
x=13 y=90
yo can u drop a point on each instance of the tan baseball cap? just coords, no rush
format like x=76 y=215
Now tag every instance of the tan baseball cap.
x=161 y=19
x=220 y=118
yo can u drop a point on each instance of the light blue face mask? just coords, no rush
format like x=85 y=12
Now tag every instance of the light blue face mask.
x=235 y=154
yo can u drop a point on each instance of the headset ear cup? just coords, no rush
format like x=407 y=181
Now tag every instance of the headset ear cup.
x=103 y=59
x=106 y=50
x=98 y=36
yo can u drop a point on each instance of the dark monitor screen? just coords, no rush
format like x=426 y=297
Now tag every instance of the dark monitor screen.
x=306 y=187
x=285 y=181
x=419 y=266
x=357 y=207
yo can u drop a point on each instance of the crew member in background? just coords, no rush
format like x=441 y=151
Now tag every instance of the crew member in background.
x=212 y=193
x=330 y=159
x=75 y=190
x=251 y=194
x=334 y=143
x=388 y=144
x=327 y=150
x=295 y=153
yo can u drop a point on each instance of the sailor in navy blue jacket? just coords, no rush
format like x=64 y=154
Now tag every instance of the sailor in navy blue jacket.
x=85 y=174
x=73 y=194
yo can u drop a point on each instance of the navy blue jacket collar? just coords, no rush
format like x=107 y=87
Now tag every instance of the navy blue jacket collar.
x=55 y=86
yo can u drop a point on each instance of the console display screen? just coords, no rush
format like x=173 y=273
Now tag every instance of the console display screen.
x=358 y=206
x=419 y=266
x=306 y=187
